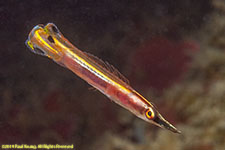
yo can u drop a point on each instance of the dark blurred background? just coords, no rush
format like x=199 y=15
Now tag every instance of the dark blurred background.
x=171 y=51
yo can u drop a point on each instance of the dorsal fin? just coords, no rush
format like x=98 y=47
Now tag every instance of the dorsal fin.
x=108 y=67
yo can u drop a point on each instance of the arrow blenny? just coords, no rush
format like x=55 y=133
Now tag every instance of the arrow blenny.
x=48 y=41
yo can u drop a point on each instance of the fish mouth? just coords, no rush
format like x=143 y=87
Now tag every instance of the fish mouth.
x=161 y=122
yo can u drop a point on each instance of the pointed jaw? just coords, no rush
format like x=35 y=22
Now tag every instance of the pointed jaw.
x=161 y=122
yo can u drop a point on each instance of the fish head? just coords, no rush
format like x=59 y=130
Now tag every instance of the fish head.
x=151 y=115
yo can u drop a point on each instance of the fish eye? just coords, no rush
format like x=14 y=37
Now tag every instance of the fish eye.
x=150 y=114
x=50 y=39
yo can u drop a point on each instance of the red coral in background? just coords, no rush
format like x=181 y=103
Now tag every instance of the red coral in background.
x=160 y=62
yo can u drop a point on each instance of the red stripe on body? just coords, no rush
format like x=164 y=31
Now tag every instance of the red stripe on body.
x=129 y=99
x=113 y=91
x=84 y=73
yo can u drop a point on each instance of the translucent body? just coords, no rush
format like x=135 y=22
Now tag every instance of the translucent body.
x=48 y=41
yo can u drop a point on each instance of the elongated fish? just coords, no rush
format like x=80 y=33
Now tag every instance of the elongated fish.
x=48 y=41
